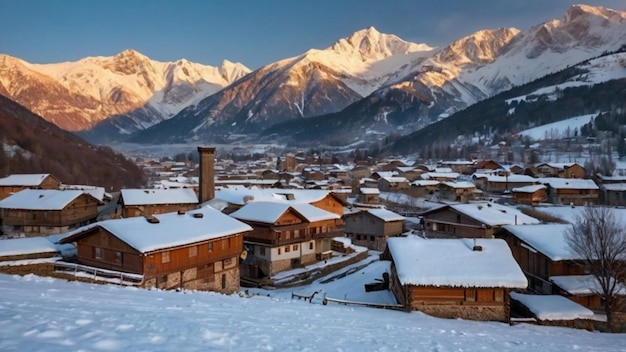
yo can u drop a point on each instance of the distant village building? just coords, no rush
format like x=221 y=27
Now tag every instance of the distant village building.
x=393 y=184
x=500 y=184
x=368 y=195
x=561 y=170
x=530 y=195
x=17 y=182
x=144 y=202
x=571 y=191
x=372 y=227
x=38 y=212
x=196 y=250
x=454 y=278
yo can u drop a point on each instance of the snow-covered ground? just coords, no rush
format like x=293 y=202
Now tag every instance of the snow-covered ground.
x=45 y=314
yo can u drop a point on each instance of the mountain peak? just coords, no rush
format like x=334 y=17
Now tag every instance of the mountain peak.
x=372 y=45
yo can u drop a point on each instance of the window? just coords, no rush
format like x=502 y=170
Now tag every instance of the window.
x=165 y=257
x=287 y=249
x=295 y=247
x=223 y=281
x=310 y=245
x=225 y=243
x=97 y=253
x=193 y=251
x=296 y=233
x=279 y=251
x=372 y=238
x=118 y=258
x=287 y=234
x=210 y=247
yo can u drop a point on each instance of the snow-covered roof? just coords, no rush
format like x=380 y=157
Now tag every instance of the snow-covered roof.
x=448 y=175
x=569 y=183
x=41 y=199
x=494 y=214
x=582 y=285
x=159 y=196
x=172 y=229
x=553 y=307
x=453 y=263
x=528 y=189
x=423 y=183
x=548 y=239
x=241 y=195
x=514 y=178
x=385 y=215
x=460 y=184
x=96 y=192
x=26 y=180
x=19 y=246
x=615 y=187
x=270 y=212
x=395 y=179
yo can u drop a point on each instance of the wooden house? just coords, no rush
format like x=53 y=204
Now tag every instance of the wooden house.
x=440 y=176
x=572 y=191
x=501 y=184
x=197 y=250
x=472 y=220
x=530 y=195
x=286 y=236
x=454 y=278
x=145 y=202
x=38 y=212
x=457 y=191
x=409 y=172
x=561 y=170
x=425 y=189
x=17 y=182
x=372 y=227
x=545 y=257
x=27 y=249
x=613 y=194
x=368 y=195
x=393 y=184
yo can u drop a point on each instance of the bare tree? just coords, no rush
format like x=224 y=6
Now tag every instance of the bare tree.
x=598 y=237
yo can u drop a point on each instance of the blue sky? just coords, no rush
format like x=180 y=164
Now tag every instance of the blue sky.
x=253 y=32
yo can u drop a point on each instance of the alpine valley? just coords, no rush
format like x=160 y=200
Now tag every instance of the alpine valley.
x=361 y=89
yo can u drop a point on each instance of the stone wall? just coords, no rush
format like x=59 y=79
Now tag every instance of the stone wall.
x=473 y=312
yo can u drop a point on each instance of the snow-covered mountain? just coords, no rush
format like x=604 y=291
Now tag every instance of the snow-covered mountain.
x=126 y=92
x=387 y=83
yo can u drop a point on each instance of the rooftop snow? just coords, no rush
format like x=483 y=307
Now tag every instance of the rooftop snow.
x=21 y=246
x=582 y=285
x=549 y=239
x=241 y=195
x=23 y=180
x=40 y=199
x=569 y=183
x=553 y=307
x=385 y=215
x=453 y=263
x=494 y=214
x=159 y=196
x=270 y=212
x=172 y=230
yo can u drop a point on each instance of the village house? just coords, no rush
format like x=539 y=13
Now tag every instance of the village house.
x=472 y=220
x=196 y=250
x=454 y=278
x=409 y=172
x=425 y=189
x=17 y=182
x=441 y=176
x=286 y=236
x=464 y=167
x=502 y=184
x=372 y=227
x=571 y=191
x=550 y=265
x=613 y=194
x=393 y=184
x=39 y=212
x=462 y=191
x=561 y=170
x=144 y=202
x=368 y=196
x=530 y=195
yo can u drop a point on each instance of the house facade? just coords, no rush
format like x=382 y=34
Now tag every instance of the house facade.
x=571 y=191
x=146 y=202
x=286 y=236
x=372 y=227
x=454 y=278
x=34 y=212
x=530 y=195
x=196 y=250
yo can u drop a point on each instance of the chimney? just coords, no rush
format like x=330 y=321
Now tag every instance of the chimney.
x=207 y=173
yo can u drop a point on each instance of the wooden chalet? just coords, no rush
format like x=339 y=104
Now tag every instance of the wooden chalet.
x=368 y=195
x=454 y=278
x=197 y=250
x=393 y=184
x=17 y=182
x=145 y=202
x=38 y=212
x=372 y=227
x=613 y=194
x=573 y=191
x=27 y=249
x=286 y=236
x=458 y=191
x=544 y=256
x=561 y=170
x=501 y=184
x=530 y=195
x=424 y=189
x=472 y=220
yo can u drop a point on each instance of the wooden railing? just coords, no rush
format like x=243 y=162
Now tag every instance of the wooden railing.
x=98 y=274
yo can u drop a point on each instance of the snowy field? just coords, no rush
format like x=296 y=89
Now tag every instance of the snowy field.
x=45 y=314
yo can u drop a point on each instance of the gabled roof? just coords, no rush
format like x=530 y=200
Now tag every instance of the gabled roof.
x=528 y=189
x=240 y=195
x=159 y=196
x=494 y=214
x=453 y=263
x=460 y=184
x=569 y=183
x=172 y=230
x=26 y=180
x=548 y=239
x=385 y=215
x=510 y=178
x=270 y=212
x=42 y=199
